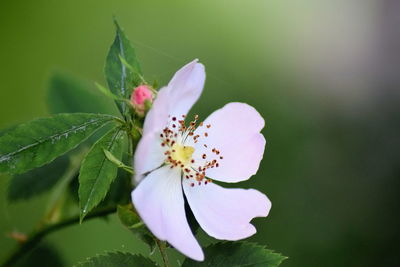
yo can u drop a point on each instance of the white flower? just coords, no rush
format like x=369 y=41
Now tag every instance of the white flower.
x=172 y=158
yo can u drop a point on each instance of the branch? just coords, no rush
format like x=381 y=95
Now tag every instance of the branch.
x=36 y=236
x=163 y=252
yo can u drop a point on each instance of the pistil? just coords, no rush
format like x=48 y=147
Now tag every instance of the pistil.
x=180 y=141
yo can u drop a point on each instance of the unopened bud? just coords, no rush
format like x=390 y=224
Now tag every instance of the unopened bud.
x=141 y=99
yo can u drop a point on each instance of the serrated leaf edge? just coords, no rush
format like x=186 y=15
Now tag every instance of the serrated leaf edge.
x=118 y=131
x=110 y=253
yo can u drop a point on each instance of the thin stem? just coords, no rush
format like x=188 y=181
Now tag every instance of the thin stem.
x=163 y=251
x=36 y=236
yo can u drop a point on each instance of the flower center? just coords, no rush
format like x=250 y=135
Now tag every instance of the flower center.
x=180 y=142
x=182 y=153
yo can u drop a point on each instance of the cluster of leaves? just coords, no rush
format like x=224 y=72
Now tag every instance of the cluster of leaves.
x=40 y=153
x=83 y=152
x=218 y=255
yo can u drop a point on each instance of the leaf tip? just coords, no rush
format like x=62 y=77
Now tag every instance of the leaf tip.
x=82 y=215
x=115 y=20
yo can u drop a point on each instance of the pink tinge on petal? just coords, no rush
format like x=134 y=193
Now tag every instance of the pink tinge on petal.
x=177 y=98
x=234 y=132
x=226 y=213
x=159 y=201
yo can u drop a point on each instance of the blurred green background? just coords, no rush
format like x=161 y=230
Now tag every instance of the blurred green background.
x=324 y=74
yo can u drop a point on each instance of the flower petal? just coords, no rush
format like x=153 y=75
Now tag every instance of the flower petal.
x=159 y=202
x=226 y=213
x=235 y=132
x=149 y=155
x=177 y=98
x=157 y=117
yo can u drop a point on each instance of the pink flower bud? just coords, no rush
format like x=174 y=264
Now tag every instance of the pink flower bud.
x=139 y=95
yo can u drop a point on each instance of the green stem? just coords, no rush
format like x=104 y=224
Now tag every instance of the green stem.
x=35 y=237
x=163 y=251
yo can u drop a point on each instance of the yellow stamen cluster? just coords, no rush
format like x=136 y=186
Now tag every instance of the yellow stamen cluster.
x=178 y=155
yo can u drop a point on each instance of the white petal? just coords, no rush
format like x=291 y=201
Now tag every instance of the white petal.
x=159 y=202
x=157 y=117
x=235 y=132
x=178 y=97
x=226 y=213
x=149 y=155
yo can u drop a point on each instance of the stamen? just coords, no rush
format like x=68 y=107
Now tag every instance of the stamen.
x=179 y=154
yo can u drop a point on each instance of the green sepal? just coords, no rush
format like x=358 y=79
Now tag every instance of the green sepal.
x=117 y=162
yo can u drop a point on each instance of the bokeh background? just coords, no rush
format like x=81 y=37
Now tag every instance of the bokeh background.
x=324 y=74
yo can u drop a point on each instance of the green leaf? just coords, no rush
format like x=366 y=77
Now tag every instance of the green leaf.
x=132 y=221
x=119 y=193
x=35 y=143
x=67 y=94
x=97 y=172
x=36 y=181
x=237 y=254
x=120 y=190
x=118 y=259
x=108 y=94
x=44 y=255
x=117 y=162
x=120 y=78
